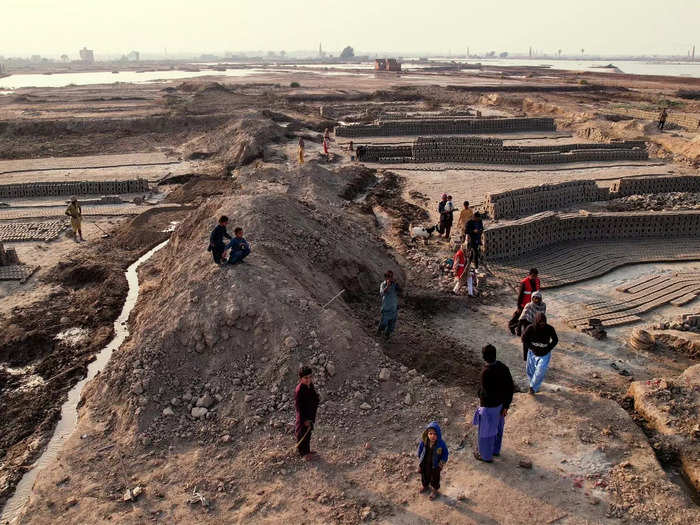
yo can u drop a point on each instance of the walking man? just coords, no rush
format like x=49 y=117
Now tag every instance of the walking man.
x=75 y=212
x=528 y=285
x=389 y=291
x=475 y=228
x=495 y=397
x=539 y=340
x=662 y=119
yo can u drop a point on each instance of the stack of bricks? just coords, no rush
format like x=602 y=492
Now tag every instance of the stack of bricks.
x=642 y=185
x=537 y=232
x=526 y=201
x=55 y=189
x=457 y=126
x=491 y=150
x=686 y=120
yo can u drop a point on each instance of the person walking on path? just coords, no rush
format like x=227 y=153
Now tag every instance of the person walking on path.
x=389 y=291
x=464 y=217
x=662 y=119
x=306 y=402
x=535 y=306
x=301 y=150
x=460 y=268
x=432 y=456
x=475 y=229
x=75 y=212
x=495 y=396
x=216 y=239
x=539 y=340
x=528 y=285
x=240 y=249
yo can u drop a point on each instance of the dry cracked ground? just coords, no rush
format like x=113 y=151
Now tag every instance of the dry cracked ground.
x=194 y=411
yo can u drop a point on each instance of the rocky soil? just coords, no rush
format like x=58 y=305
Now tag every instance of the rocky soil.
x=656 y=202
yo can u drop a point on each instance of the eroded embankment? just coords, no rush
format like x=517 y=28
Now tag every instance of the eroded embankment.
x=46 y=346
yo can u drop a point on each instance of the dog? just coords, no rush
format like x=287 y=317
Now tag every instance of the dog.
x=422 y=232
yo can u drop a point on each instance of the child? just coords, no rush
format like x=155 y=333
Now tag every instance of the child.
x=240 y=249
x=306 y=403
x=432 y=456
x=216 y=239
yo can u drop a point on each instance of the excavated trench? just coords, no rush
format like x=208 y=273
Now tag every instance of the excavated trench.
x=69 y=411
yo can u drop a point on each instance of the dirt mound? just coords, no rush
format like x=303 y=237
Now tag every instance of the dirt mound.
x=151 y=227
x=236 y=143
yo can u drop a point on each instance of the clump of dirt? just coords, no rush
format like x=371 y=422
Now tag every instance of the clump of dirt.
x=199 y=188
x=236 y=143
x=671 y=407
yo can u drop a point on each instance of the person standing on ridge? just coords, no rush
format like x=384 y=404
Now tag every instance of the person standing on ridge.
x=75 y=212
x=306 y=402
x=389 y=291
x=528 y=285
x=301 y=150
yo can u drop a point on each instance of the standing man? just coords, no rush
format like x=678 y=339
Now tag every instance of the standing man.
x=301 y=150
x=75 y=212
x=441 y=211
x=389 y=291
x=662 y=119
x=475 y=228
x=305 y=404
x=464 y=217
x=495 y=397
x=539 y=340
x=240 y=249
x=216 y=239
x=528 y=286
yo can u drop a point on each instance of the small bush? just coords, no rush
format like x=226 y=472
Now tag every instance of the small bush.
x=583 y=81
x=295 y=84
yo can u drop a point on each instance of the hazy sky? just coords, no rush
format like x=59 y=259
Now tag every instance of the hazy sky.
x=53 y=27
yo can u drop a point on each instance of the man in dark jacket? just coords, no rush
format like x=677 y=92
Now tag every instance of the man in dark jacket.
x=216 y=239
x=474 y=229
x=306 y=404
x=539 y=339
x=495 y=397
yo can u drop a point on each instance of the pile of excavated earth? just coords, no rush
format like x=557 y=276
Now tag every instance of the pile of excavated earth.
x=191 y=420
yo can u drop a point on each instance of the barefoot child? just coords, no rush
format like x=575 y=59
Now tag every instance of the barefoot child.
x=432 y=456
x=306 y=404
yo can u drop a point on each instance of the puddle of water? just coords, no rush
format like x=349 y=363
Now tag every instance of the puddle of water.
x=69 y=413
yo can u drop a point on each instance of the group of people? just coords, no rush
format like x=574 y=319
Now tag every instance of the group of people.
x=470 y=227
x=233 y=252
x=326 y=145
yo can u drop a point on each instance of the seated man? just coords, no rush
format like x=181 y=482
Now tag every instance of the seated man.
x=239 y=247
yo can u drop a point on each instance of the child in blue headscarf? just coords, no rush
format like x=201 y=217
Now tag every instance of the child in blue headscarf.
x=432 y=456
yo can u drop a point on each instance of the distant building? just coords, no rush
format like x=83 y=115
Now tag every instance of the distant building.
x=3 y=68
x=87 y=55
x=134 y=56
x=387 y=64
x=35 y=58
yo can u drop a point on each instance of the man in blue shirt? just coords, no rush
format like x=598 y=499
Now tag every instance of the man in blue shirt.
x=239 y=247
x=389 y=291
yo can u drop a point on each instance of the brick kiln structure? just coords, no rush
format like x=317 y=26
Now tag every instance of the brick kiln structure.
x=57 y=189
x=537 y=232
x=526 y=201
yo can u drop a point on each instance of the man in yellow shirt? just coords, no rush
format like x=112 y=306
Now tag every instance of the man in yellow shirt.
x=464 y=217
x=76 y=218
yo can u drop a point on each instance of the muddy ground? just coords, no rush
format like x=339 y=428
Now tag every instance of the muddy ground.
x=230 y=339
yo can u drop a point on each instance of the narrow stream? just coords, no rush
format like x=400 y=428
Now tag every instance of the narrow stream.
x=69 y=412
